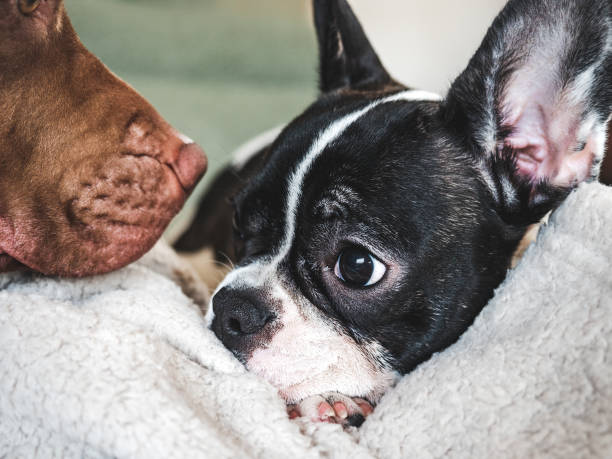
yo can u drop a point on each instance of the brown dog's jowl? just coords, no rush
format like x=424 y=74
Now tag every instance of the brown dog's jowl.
x=90 y=173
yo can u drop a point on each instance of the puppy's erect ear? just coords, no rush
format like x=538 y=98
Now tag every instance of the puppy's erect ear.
x=534 y=101
x=347 y=58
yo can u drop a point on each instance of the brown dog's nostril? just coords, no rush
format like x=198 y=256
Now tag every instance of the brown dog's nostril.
x=190 y=165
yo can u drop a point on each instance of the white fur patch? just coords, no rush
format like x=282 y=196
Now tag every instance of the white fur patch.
x=583 y=83
x=487 y=176
x=508 y=190
x=293 y=360
x=417 y=95
x=486 y=137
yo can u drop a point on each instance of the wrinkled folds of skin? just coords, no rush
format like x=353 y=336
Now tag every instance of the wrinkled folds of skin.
x=90 y=174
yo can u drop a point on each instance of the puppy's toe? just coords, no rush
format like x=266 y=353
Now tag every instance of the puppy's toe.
x=315 y=408
x=366 y=407
x=332 y=407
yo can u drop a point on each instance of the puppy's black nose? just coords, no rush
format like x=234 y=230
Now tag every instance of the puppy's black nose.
x=239 y=316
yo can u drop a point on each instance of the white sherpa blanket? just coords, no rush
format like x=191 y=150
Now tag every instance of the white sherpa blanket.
x=121 y=365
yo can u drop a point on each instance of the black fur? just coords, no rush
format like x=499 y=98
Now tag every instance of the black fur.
x=345 y=63
x=214 y=223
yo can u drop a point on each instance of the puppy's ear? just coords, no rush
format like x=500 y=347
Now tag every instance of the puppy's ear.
x=534 y=101
x=347 y=58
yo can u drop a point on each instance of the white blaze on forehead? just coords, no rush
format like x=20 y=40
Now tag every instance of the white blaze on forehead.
x=325 y=138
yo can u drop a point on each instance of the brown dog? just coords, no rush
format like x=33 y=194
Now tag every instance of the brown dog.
x=90 y=174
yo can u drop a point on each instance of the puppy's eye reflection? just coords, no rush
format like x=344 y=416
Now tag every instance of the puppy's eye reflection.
x=357 y=267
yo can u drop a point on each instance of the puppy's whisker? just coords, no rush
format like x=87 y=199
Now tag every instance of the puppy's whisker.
x=230 y=264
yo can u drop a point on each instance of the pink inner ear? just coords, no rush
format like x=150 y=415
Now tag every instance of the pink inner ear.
x=552 y=139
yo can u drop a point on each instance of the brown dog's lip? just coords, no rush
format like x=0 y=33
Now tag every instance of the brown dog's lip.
x=102 y=234
x=8 y=263
x=180 y=175
x=5 y=261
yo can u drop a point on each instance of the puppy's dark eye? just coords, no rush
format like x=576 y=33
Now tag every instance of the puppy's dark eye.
x=28 y=6
x=357 y=267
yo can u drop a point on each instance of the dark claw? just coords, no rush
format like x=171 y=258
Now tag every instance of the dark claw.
x=355 y=420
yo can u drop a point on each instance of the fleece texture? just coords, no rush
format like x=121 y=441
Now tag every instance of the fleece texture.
x=122 y=366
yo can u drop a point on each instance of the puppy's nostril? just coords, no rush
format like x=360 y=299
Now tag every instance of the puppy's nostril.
x=233 y=325
x=245 y=319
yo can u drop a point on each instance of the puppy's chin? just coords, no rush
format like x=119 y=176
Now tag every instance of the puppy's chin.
x=369 y=385
x=308 y=355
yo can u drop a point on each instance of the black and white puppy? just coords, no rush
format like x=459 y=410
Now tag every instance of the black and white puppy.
x=377 y=225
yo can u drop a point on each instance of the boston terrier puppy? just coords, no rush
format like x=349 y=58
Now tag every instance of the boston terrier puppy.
x=375 y=227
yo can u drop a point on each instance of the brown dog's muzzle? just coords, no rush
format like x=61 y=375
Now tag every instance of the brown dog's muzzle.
x=95 y=213
x=90 y=173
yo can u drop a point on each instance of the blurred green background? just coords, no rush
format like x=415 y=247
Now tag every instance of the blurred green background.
x=220 y=71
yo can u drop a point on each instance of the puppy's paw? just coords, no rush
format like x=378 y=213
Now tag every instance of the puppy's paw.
x=332 y=407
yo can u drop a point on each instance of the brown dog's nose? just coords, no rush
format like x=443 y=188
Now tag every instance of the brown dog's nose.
x=189 y=165
x=186 y=159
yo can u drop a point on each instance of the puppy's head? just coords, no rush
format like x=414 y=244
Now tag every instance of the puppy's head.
x=385 y=217
x=90 y=174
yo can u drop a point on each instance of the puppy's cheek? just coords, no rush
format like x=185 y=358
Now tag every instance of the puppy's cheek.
x=306 y=357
